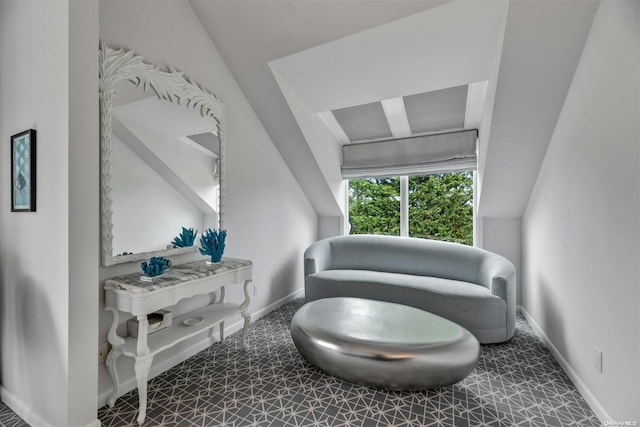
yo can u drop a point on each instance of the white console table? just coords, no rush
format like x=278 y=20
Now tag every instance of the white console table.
x=131 y=295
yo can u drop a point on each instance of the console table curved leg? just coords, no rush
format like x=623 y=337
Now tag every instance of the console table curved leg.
x=112 y=336
x=245 y=314
x=247 y=320
x=116 y=341
x=142 y=366
x=112 y=357
x=220 y=301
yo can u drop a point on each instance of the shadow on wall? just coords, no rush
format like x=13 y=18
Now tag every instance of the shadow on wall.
x=287 y=277
x=38 y=372
x=551 y=320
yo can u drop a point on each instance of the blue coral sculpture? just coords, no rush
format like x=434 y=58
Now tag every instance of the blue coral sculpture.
x=186 y=238
x=155 y=266
x=212 y=244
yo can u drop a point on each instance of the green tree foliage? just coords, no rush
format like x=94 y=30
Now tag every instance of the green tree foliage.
x=374 y=206
x=440 y=206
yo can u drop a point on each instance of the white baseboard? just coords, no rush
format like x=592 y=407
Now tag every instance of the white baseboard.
x=591 y=400
x=274 y=305
x=126 y=385
x=25 y=412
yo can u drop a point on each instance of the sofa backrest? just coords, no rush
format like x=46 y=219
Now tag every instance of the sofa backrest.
x=406 y=255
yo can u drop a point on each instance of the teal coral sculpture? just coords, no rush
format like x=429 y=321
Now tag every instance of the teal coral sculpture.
x=186 y=238
x=155 y=266
x=212 y=244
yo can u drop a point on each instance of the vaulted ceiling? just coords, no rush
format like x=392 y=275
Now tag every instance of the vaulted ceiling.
x=324 y=73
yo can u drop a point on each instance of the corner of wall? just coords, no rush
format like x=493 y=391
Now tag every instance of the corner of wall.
x=83 y=222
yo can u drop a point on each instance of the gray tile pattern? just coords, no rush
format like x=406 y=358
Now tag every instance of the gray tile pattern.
x=515 y=384
x=8 y=418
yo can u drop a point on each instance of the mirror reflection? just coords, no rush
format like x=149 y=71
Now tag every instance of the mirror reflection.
x=165 y=164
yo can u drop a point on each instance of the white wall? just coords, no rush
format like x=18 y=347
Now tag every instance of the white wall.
x=484 y=131
x=542 y=44
x=45 y=333
x=268 y=217
x=581 y=228
x=34 y=260
x=326 y=150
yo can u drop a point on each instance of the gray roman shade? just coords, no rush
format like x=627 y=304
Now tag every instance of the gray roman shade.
x=439 y=153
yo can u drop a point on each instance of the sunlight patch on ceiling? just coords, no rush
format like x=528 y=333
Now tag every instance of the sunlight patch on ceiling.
x=363 y=122
x=437 y=110
x=422 y=113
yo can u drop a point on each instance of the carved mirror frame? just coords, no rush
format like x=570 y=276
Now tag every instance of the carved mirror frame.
x=121 y=65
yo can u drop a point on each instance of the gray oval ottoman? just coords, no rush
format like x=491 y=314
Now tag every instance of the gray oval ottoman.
x=382 y=344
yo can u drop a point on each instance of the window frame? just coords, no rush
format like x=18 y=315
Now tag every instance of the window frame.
x=404 y=207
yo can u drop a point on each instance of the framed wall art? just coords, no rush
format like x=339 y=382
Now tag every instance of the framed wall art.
x=23 y=171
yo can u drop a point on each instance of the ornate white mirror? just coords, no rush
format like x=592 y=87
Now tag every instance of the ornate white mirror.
x=162 y=158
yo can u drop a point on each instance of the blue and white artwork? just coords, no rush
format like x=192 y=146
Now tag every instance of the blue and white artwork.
x=22 y=175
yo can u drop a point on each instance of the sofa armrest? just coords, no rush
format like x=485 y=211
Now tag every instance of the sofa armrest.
x=499 y=275
x=309 y=266
x=317 y=257
x=501 y=287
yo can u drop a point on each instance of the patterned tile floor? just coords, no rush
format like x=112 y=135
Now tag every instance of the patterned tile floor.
x=515 y=384
x=8 y=418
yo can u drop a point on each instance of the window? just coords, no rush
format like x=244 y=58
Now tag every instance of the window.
x=438 y=206
x=374 y=206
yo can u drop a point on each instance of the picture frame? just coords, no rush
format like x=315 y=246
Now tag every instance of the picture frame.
x=23 y=171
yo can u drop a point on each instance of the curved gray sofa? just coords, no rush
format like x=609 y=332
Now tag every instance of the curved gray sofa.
x=469 y=286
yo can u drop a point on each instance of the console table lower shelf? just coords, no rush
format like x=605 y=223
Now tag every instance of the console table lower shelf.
x=124 y=294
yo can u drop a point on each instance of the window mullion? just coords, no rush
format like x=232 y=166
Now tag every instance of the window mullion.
x=404 y=206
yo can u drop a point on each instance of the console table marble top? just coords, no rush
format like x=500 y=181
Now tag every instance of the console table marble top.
x=174 y=275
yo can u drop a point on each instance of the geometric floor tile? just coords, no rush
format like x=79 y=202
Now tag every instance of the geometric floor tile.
x=518 y=383
x=8 y=418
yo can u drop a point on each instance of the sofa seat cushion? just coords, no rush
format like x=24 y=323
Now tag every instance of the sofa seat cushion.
x=467 y=304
